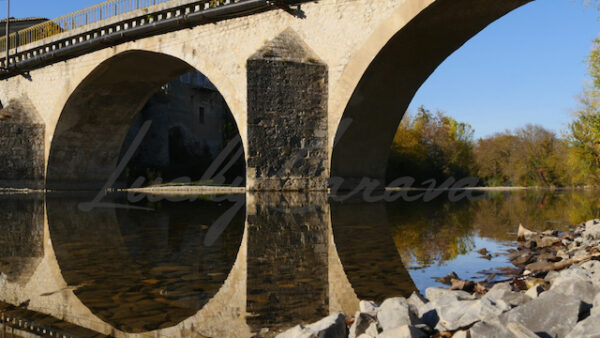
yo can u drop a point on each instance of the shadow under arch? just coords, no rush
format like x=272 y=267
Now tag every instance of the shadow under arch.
x=386 y=88
x=141 y=270
x=92 y=127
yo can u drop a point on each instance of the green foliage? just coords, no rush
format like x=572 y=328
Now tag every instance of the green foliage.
x=215 y=3
x=431 y=146
x=529 y=156
x=583 y=134
x=435 y=146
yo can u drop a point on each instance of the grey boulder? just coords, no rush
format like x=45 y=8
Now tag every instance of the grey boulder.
x=333 y=326
x=405 y=331
x=369 y=307
x=587 y=328
x=364 y=323
x=552 y=314
x=464 y=313
x=490 y=329
x=395 y=312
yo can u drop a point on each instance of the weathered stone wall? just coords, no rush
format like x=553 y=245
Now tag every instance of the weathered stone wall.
x=287 y=117
x=21 y=147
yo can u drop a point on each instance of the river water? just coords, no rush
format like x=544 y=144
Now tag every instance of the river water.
x=243 y=265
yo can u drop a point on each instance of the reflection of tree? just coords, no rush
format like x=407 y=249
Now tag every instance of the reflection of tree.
x=499 y=215
x=426 y=233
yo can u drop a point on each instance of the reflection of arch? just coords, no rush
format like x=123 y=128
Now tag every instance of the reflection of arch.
x=367 y=251
x=105 y=255
x=97 y=115
x=399 y=59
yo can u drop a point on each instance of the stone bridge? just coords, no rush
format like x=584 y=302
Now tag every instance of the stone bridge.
x=317 y=89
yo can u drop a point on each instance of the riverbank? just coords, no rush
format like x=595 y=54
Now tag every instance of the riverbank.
x=186 y=189
x=553 y=291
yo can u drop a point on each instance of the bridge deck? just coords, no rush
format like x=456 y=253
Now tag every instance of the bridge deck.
x=110 y=23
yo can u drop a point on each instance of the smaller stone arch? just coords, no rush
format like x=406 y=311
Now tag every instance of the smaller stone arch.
x=87 y=142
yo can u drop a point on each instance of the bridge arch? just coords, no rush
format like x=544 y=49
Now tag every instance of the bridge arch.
x=89 y=133
x=380 y=81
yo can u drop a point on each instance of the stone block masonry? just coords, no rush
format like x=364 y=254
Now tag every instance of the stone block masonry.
x=22 y=143
x=287 y=117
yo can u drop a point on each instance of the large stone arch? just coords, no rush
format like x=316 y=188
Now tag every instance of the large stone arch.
x=380 y=81
x=90 y=129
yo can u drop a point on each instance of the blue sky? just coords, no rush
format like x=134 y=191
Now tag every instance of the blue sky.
x=527 y=67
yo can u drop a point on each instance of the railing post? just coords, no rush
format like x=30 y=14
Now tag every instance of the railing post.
x=7 y=33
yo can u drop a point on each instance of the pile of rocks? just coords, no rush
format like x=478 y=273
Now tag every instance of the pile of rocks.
x=555 y=294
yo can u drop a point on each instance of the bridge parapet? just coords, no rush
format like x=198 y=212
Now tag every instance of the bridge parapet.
x=109 y=23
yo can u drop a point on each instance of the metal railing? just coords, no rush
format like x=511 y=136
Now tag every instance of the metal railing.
x=102 y=11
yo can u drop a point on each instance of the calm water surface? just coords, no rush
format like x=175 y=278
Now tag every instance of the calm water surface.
x=244 y=265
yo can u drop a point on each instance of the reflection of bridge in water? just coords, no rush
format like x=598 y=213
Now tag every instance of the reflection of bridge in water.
x=130 y=272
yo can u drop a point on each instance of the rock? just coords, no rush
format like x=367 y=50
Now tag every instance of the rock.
x=395 y=312
x=491 y=328
x=552 y=275
x=553 y=314
x=333 y=326
x=520 y=331
x=596 y=305
x=576 y=272
x=428 y=315
x=502 y=293
x=562 y=254
x=464 y=285
x=434 y=293
x=535 y=291
x=524 y=234
x=447 y=280
x=405 y=331
x=593 y=269
x=575 y=288
x=416 y=303
x=592 y=230
x=461 y=334
x=521 y=257
x=464 y=313
x=369 y=307
x=547 y=241
x=541 y=266
x=587 y=328
x=364 y=323
x=483 y=252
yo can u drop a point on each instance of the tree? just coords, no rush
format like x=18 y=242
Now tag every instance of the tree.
x=583 y=134
x=431 y=146
x=529 y=156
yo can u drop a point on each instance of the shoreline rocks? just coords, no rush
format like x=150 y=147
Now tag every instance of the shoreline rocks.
x=554 y=292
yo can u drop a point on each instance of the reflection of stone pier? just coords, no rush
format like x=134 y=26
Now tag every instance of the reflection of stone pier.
x=287 y=258
x=21 y=242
